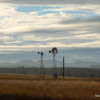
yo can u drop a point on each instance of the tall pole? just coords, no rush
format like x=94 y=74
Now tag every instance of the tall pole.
x=63 y=67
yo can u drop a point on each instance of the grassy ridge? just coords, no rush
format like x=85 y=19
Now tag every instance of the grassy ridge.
x=28 y=87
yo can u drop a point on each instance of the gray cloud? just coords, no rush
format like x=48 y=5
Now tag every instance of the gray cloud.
x=64 y=35
x=94 y=19
x=89 y=25
x=52 y=2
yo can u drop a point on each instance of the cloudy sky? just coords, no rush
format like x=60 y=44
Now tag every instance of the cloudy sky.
x=28 y=26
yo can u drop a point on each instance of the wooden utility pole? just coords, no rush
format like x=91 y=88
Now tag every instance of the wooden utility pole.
x=63 y=67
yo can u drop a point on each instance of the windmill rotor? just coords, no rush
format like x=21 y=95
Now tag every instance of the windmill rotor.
x=54 y=50
x=41 y=53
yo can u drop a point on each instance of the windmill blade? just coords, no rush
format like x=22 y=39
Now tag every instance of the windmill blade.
x=50 y=51
x=38 y=52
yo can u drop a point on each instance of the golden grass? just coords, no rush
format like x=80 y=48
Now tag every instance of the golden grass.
x=29 y=87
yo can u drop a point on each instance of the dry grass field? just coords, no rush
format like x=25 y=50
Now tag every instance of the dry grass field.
x=29 y=87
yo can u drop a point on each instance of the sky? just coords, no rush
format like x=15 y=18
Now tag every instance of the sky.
x=29 y=26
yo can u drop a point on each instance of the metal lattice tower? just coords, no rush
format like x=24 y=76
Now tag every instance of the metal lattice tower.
x=42 y=70
x=54 y=51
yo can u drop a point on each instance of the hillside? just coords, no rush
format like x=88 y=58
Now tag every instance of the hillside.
x=70 y=72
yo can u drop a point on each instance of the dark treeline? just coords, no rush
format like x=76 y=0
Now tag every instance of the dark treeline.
x=70 y=72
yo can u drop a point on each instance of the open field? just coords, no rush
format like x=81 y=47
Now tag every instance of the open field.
x=28 y=87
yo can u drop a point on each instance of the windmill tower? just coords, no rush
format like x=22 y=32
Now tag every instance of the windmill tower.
x=54 y=51
x=42 y=71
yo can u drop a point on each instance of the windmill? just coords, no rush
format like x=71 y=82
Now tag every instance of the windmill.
x=42 y=71
x=54 y=51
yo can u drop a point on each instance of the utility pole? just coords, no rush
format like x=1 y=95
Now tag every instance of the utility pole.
x=63 y=67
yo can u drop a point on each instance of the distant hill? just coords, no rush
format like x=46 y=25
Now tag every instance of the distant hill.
x=69 y=71
x=27 y=63
x=48 y=63
x=83 y=64
x=94 y=66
